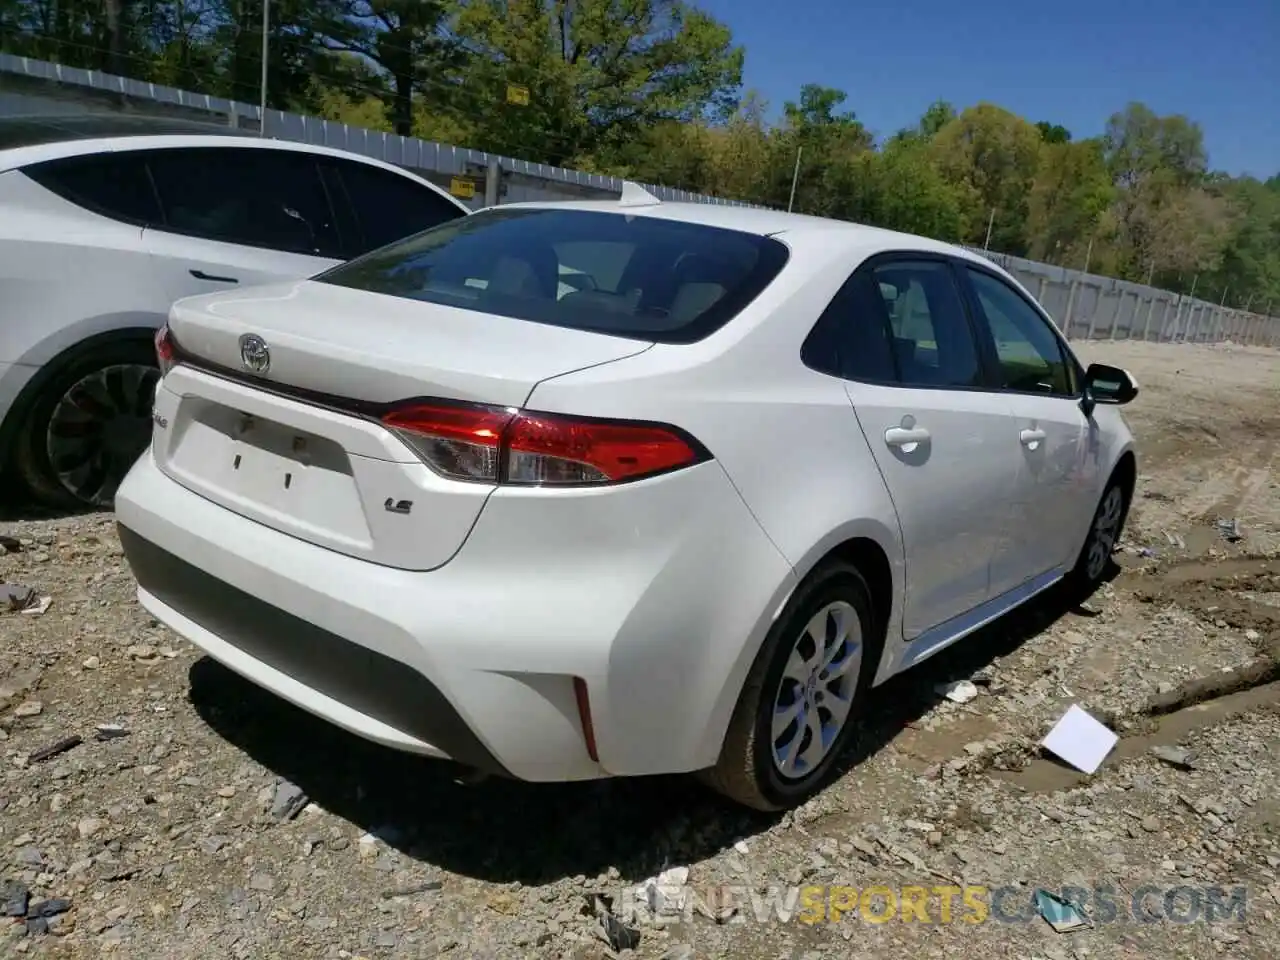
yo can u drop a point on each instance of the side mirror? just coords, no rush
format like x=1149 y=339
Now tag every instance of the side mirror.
x=1107 y=384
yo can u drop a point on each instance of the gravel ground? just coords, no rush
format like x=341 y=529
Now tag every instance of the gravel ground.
x=197 y=817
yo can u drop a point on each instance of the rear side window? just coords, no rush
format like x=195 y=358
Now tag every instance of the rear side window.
x=386 y=206
x=255 y=197
x=114 y=185
x=933 y=344
x=631 y=276
x=851 y=339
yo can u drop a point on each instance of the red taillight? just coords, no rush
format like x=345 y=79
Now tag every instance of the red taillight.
x=505 y=445
x=165 y=353
x=458 y=441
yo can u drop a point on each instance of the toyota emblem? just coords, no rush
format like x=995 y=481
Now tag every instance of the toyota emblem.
x=254 y=354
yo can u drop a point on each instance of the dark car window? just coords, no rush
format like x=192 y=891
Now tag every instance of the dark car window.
x=851 y=339
x=257 y=197
x=114 y=185
x=1030 y=354
x=933 y=344
x=632 y=276
x=386 y=206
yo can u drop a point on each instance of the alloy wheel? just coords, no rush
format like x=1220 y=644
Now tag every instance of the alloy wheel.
x=98 y=428
x=1106 y=527
x=816 y=692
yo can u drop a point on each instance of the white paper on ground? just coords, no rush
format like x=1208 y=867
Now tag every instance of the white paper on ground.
x=1080 y=740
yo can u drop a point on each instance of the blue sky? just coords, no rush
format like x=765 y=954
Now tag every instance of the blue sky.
x=1073 y=63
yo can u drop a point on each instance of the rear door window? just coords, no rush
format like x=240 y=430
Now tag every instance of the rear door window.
x=114 y=185
x=632 y=276
x=254 y=197
x=386 y=206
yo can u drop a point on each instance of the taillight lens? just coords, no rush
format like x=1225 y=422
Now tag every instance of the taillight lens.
x=509 y=446
x=460 y=442
x=166 y=355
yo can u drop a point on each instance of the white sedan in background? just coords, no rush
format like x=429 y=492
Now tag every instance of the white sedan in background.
x=678 y=518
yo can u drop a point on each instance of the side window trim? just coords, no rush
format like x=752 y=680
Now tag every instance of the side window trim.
x=340 y=240
x=865 y=278
x=974 y=304
x=988 y=354
x=990 y=382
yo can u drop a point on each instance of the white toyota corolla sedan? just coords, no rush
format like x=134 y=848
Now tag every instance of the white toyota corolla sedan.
x=678 y=516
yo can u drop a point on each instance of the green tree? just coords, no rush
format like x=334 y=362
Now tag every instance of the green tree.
x=900 y=188
x=994 y=154
x=939 y=114
x=599 y=72
x=1169 y=226
x=408 y=39
x=741 y=154
x=296 y=53
x=1053 y=132
x=1250 y=265
x=1138 y=143
x=824 y=138
x=1071 y=194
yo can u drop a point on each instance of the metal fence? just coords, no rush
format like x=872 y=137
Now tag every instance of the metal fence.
x=37 y=86
x=1087 y=306
x=1083 y=305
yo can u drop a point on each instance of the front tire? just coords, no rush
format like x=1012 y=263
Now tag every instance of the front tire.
x=87 y=425
x=1104 y=533
x=802 y=698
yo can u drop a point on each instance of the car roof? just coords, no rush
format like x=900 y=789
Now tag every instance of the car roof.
x=766 y=223
x=32 y=139
x=38 y=129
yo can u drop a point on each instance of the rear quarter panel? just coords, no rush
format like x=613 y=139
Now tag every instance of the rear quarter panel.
x=67 y=274
x=785 y=435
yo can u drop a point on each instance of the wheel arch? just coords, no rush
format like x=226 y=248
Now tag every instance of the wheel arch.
x=1126 y=472
x=876 y=551
x=50 y=363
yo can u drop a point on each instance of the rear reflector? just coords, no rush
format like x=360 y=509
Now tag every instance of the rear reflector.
x=509 y=446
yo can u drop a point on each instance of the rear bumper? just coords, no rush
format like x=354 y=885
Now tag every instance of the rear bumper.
x=659 y=608
x=360 y=689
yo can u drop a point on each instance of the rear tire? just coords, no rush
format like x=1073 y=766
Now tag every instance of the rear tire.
x=87 y=424
x=813 y=670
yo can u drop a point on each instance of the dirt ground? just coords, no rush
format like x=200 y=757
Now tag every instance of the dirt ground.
x=172 y=834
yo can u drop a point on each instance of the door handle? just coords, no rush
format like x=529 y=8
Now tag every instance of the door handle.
x=904 y=437
x=201 y=275
x=1031 y=438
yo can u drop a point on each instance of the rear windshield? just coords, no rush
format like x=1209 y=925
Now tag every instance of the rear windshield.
x=631 y=276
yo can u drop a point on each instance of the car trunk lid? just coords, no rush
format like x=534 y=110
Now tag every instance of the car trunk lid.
x=298 y=446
